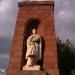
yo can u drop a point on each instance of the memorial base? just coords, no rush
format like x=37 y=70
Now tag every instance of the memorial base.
x=32 y=73
x=32 y=68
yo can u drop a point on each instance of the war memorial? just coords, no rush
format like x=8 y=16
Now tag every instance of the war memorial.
x=34 y=50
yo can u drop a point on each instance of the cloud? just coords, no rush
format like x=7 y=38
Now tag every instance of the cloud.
x=33 y=0
x=4 y=4
x=65 y=19
x=5 y=44
x=4 y=56
x=7 y=16
x=65 y=15
x=4 y=60
x=3 y=73
x=8 y=13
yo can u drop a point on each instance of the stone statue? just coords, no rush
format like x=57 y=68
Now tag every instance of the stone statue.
x=33 y=53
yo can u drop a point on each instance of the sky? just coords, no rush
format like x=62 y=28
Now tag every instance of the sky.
x=64 y=24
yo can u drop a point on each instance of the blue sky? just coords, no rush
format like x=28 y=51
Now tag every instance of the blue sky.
x=64 y=23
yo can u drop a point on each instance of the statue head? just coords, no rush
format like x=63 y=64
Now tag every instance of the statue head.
x=34 y=31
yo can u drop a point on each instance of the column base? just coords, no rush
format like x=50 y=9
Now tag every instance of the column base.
x=32 y=68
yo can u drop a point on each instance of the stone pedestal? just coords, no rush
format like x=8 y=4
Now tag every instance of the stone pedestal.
x=32 y=68
x=32 y=73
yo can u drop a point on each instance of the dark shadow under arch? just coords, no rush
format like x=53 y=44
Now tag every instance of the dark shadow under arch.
x=32 y=23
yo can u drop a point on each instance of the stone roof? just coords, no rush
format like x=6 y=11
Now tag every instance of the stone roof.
x=33 y=0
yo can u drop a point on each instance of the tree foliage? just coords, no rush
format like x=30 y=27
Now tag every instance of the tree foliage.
x=66 y=56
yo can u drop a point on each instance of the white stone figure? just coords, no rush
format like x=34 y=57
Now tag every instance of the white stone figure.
x=33 y=53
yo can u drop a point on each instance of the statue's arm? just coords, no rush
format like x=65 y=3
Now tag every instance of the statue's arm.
x=29 y=42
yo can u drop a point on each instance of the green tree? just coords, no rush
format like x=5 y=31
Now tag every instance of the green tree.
x=66 y=57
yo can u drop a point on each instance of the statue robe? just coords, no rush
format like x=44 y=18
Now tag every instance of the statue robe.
x=34 y=44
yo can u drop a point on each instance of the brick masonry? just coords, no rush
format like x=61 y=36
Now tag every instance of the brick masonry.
x=44 y=11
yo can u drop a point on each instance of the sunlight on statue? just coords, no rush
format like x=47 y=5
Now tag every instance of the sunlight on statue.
x=33 y=53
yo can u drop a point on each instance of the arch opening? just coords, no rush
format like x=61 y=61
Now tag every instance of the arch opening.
x=29 y=25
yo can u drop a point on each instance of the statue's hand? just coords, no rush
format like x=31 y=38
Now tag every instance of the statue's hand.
x=31 y=43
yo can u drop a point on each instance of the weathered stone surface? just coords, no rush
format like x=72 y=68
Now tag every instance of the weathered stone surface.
x=32 y=73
